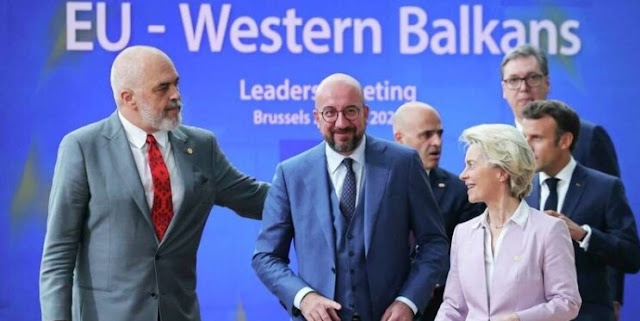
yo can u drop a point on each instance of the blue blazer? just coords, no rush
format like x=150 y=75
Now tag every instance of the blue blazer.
x=298 y=208
x=594 y=149
x=451 y=196
x=598 y=199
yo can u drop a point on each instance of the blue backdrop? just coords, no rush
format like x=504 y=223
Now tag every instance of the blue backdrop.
x=247 y=72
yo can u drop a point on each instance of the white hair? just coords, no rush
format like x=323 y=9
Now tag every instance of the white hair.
x=128 y=67
x=504 y=146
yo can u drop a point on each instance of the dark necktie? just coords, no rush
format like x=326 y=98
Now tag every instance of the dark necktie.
x=162 y=209
x=348 y=195
x=552 y=200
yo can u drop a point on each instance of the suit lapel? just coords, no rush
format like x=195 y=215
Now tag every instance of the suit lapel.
x=575 y=191
x=316 y=183
x=183 y=154
x=476 y=258
x=124 y=164
x=508 y=259
x=375 y=182
x=438 y=181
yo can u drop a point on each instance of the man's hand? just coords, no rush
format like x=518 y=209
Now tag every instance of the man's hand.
x=510 y=317
x=315 y=307
x=398 y=311
x=576 y=231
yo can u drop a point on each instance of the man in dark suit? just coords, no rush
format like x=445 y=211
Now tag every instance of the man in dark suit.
x=592 y=204
x=130 y=198
x=418 y=125
x=525 y=78
x=349 y=204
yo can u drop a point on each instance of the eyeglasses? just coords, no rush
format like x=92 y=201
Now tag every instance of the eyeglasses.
x=533 y=80
x=330 y=114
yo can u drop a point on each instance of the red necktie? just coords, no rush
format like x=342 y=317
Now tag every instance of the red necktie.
x=162 y=210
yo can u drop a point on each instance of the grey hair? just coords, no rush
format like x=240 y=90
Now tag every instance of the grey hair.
x=524 y=51
x=128 y=67
x=504 y=146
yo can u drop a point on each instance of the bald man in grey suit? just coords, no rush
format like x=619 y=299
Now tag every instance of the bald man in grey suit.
x=129 y=201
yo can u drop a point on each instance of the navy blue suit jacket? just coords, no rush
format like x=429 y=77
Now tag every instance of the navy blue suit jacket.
x=594 y=149
x=451 y=196
x=598 y=199
x=298 y=208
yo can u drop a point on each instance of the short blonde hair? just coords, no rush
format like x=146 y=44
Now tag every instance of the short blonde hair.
x=504 y=146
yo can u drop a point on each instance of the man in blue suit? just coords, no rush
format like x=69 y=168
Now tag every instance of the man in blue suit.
x=418 y=125
x=350 y=204
x=592 y=204
x=525 y=78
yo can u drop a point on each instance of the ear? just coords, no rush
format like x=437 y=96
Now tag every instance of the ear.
x=565 y=140
x=316 y=117
x=397 y=136
x=502 y=175
x=365 y=111
x=126 y=96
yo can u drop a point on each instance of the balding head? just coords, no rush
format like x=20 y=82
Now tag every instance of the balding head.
x=145 y=87
x=418 y=126
x=337 y=79
x=128 y=69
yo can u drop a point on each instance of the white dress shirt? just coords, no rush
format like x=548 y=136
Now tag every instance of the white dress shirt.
x=519 y=218
x=138 y=143
x=564 y=179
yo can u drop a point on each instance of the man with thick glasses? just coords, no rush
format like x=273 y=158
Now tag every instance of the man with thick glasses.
x=350 y=204
x=418 y=125
x=525 y=78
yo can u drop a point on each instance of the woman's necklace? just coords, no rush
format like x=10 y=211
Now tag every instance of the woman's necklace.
x=497 y=227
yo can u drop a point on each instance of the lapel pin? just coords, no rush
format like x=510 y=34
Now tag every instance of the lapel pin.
x=441 y=185
x=578 y=185
x=516 y=258
x=189 y=150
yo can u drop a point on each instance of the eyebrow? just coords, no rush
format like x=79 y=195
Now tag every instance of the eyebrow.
x=166 y=83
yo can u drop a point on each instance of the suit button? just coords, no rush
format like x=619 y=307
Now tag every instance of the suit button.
x=157 y=257
x=333 y=269
x=350 y=236
x=153 y=295
x=352 y=271
x=351 y=253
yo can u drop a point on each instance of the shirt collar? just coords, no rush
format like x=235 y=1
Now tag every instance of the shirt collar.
x=334 y=159
x=138 y=137
x=564 y=175
x=519 y=217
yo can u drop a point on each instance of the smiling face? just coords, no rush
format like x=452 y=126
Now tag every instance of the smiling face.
x=342 y=135
x=522 y=67
x=480 y=177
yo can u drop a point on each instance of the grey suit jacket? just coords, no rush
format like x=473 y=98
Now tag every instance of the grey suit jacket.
x=101 y=258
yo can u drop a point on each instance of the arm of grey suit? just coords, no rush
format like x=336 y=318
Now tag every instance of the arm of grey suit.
x=271 y=257
x=428 y=228
x=618 y=245
x=238 y=191
x=68 y=204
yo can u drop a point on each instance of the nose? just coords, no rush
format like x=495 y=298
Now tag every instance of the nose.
x=175 y=93
x=342 y=121
x=463 y=174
